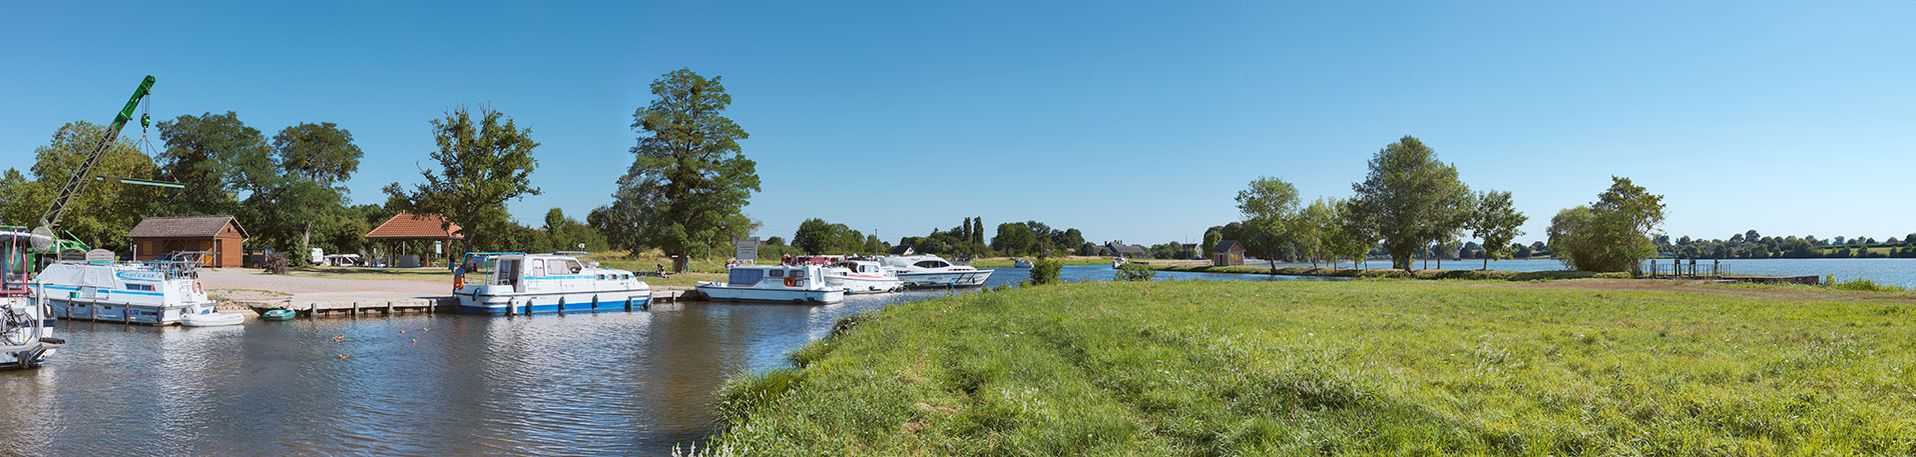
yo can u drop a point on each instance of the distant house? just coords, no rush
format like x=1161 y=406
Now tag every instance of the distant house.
x=1227 y=253
x=1188 y=251
x=902 y=250
x=1117 y=248
x=220 y=237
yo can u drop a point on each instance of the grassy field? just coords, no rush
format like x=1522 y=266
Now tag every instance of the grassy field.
x=1579 y=367
x=1389 y=273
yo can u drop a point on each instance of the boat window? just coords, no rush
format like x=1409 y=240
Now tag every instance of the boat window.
x=574 y=266
x=145 y=287
x=746 y=276
x=778 y=273
x=508 y=272
x=930 y=264
x=538 y=269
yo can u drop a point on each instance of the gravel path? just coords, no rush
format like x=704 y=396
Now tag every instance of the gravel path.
x=251 y=285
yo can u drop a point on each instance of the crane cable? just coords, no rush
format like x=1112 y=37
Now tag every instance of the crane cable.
x=146 y=120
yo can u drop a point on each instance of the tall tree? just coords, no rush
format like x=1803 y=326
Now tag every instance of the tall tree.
x=1269 y=208
x=1612 y=234
x=483 y=163
x=216 y=157
x=1014 y=238
x=689 y=179
x=1496 y=222
x=1212 y=236
x=102 y=213
x=1411 y=199
x=312 y=159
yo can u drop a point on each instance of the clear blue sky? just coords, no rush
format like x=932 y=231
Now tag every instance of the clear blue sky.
x=1131 y=121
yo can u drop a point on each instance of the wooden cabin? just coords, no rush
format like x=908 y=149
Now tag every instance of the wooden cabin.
x=1227 y=253
x=221 y=237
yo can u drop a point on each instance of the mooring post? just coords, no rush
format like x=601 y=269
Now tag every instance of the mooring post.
x=389 y=308
x=355 y=310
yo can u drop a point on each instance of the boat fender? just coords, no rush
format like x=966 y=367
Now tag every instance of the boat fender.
x=791 y=282
x=458 y=282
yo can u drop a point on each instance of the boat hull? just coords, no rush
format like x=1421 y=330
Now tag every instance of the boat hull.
x=121 y=312
x=969 y=278
x=28 y=353
x=714 y=292
x=549 y=303
x=865 y=285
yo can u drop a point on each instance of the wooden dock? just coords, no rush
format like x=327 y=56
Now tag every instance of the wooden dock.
x=401 y=306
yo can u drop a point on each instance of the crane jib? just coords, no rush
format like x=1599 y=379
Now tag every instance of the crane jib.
x=84 y=172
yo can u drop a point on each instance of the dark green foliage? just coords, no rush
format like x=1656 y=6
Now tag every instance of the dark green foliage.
x=816 y=236
x=1135 y=272
x=1014 y=239
x=1045 y=270
x=1411 y=199
x=1612 y=234
x=689 y=179
x=216 y=157
x=483 y=163
x=102 y=213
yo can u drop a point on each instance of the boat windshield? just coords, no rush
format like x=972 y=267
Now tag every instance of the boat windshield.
x=745 y=276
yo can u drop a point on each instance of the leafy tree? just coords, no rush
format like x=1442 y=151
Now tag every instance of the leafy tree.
x=1410 y=198
x=1612 y=234
x=1087 y=249
x=483 y=163
x=1070 y=238
x=1316 y=224
x=816 y=236
x=216 y=157
x=1353 y=237
x=690 y=179
x=565 y=233
x=873 y=245
x=102 y=212
x=311 y=159
x=1269 y=208
x=1014 y=239
x=1212 y=236
x=1496 y=222
x=1045 y=271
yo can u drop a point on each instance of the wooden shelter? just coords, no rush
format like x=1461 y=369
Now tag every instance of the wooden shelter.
x=221 y=237
x=404 y=229
x=1227 y=253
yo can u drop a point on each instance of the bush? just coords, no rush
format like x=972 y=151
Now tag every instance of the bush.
x=1866 y=285
x=1045 y=271
x=1135 y=272
x=274 y=263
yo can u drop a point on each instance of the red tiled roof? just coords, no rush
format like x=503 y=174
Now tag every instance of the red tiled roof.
x=409 y=225
x=183 y=227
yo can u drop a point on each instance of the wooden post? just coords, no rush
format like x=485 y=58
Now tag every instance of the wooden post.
x=355 y=310
x=561 y=306
x=628 y=303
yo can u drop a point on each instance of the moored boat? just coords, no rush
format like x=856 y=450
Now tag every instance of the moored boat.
x=153 y=292
x=934 y=271
x=862 y=277
x=281 y=314
x=804 y=284
x=501 y=283
x=212 y=319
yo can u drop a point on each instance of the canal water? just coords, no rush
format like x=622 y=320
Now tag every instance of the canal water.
x=610 y=383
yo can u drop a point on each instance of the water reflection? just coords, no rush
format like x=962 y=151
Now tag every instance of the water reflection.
x=612 y=383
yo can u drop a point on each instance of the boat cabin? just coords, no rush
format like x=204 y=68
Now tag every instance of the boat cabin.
x=776 y=276
x=529 y=272
x=861 y=267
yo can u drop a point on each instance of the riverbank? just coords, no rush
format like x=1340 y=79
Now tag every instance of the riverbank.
x=1189 y=367
x=1335 y=272
x=1009 y=262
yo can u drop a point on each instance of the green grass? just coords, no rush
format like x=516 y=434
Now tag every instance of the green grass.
x=1007 y=262
x=1359 y=367
x=1501 y=275
x=1866 y=285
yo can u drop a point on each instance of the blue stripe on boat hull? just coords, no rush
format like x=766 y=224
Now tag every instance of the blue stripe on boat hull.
x=550 y=308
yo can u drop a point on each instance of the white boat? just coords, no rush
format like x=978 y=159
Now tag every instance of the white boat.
x=1021 y=263
x=212 y=319
x=154 y=292
x=1118 y=262
x=774 y=284
x=501 y=283
x=934 y=271
x=862 y=277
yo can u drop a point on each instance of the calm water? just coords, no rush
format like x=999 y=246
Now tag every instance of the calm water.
x=1893 y=271
x=613 y=383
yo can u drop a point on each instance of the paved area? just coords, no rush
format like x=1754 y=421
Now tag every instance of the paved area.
x=244 y=285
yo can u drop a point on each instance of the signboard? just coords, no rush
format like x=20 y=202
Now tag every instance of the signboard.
x=746 y=249
x=101 y=255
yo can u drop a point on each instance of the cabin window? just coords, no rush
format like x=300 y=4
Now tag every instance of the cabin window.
x=930 y=264
x=778 y=273
x=746 y=276
x=574 y=266
x=144 y=287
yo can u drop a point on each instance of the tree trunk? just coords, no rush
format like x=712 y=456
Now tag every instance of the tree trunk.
x=1486 y=263
x=306 y=241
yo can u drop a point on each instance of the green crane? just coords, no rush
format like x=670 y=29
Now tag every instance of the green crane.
x=49 y=242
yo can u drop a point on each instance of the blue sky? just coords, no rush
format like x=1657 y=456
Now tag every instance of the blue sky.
x=1133 y=121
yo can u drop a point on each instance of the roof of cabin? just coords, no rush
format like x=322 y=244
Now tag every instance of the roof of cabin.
x=416 y=226
x=1227 y=245
x=184 y=227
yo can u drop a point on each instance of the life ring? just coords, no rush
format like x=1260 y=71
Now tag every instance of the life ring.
x=791 y=282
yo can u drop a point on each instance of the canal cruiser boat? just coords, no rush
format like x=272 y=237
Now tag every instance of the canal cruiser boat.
x=153 y=292
x=933 y=271
x=804 y=284
x=503 y=283
x=862 y=277
x=1021 y=263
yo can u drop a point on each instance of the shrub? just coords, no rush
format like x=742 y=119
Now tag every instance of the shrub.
x=1866 y=285
x=1045 y=271
x=274 y=263
x=1135 y=272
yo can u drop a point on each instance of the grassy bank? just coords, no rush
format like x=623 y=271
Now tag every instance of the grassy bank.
x=1400 y=274
x=1368 y=367
x=1007 y=262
